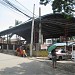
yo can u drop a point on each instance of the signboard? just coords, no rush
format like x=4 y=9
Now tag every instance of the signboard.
x=43 y=46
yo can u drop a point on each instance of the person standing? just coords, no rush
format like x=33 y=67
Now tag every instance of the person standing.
x=54 y=57
x=18 y=51
x=24 y=53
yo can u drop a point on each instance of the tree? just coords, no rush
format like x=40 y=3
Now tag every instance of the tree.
x=61 y=6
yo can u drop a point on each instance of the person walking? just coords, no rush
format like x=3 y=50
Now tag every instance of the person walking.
x=54 y=56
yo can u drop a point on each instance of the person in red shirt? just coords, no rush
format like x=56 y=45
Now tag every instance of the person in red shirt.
x=18 y=51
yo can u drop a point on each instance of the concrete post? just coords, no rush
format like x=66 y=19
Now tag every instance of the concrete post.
x=13 y=47
x=31 y=46
x=7 y=47
x=40 y=36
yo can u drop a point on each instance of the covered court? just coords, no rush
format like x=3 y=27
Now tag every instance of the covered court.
x=52 y=26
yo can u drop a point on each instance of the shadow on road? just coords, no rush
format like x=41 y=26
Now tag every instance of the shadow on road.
x=39 y=67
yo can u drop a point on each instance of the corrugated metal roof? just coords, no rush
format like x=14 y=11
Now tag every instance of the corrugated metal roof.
x=52 y=25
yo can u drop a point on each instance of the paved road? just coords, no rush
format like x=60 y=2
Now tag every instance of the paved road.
x=12 y=65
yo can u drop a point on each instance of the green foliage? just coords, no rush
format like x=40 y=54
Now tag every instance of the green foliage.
x=56 y=6
x=44 y=2
x=61 y=6
x=67 y=16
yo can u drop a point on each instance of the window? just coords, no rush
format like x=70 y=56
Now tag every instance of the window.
x=62 y=51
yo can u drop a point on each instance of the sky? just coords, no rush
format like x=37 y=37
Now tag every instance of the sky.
x=8 y=15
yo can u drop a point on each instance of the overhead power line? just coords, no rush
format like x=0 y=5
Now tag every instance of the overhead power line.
x=25 y=7
x=16 y=8
x=11 y=5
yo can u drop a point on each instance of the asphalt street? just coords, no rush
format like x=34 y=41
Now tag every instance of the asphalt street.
x=13 y=65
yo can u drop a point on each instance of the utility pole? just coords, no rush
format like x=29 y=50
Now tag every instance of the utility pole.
x=31 y=45
x=16 y=23
x=40 y=36
x=18 y=38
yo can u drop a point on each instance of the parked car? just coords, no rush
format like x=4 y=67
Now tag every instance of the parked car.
x=61 y=54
